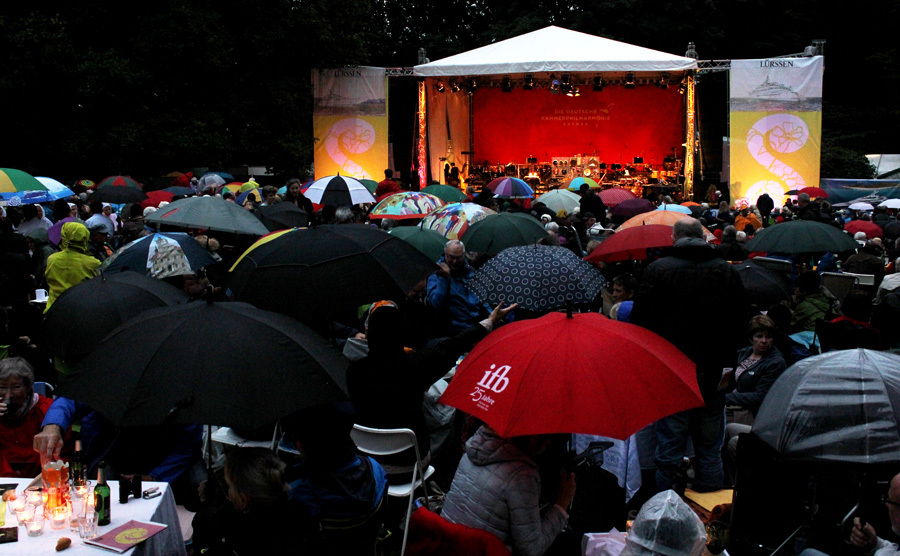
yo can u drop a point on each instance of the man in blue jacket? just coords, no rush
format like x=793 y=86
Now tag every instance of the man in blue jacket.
x=447 y=291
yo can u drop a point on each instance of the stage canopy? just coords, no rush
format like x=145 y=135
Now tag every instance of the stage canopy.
x=548 y=95
x=554 y=49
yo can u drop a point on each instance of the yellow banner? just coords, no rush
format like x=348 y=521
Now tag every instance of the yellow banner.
x=774 y=153
x=355 y=146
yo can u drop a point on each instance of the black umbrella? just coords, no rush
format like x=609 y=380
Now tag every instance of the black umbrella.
x=211 y=213
x=801 y=236
x=282 y=216
x=537 y=277
x=170 y=365
x=496 y=232
x=764 y=287
x=327 y=269
x=160 y=255
x=84 y=314
x=841 y=406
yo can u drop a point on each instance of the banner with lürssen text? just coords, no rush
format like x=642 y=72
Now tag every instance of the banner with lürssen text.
x=350 y=122
x=776 y=127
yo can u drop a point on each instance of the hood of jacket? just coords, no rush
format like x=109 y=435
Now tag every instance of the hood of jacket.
x=75 y=236
x=487 y=447
x=694 y=249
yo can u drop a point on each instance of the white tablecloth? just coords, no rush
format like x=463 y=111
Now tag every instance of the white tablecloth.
x=160 y=509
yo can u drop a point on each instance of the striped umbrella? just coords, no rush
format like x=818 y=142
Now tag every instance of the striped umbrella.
x=616 y=195
x=16 y=183
x=119 y=189
x=511 y=188
x=338 y=191
x=575 y=184
x=409 y=204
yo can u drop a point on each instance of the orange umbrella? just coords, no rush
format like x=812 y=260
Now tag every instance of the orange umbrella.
x=665 y=217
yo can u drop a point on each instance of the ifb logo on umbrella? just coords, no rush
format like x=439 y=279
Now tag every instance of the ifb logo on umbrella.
x=495 y=380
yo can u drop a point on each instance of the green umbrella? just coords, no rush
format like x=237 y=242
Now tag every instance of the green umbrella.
x=446 y=193
x=16 y=183
x=801 y=236
x=371 y=185
x=210 y=213
x=496 y=232
x=429 y=242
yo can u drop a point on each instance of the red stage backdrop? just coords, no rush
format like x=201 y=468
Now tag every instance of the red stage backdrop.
x=617 y=124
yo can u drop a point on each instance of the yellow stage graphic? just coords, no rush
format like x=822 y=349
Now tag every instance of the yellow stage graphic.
x=774 y=153
x=353 y=146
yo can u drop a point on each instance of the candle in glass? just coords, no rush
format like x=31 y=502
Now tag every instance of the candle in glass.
x=35 y=525
x=59 y=518
x=34 y=496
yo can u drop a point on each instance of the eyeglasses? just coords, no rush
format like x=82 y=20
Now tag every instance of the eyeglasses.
x=17 y=388
x=890 y=502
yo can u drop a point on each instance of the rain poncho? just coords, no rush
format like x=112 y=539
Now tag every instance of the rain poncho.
x=73 y=264
x=666 y=526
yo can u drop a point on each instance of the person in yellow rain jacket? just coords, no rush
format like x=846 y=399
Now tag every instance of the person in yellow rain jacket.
x=73 y=264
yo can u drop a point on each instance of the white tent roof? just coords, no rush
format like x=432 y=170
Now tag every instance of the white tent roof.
x=554 y=49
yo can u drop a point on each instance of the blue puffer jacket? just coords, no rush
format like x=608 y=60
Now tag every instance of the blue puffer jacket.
x=497 y=488
x=452 y=295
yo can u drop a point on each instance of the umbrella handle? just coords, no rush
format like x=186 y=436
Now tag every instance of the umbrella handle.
x=847 y=522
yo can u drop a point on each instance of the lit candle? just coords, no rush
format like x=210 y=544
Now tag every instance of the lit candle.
x=35 y=526
x=59 y=518
x=17 y=504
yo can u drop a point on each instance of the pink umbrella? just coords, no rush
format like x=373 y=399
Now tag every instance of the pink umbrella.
x=616 y=195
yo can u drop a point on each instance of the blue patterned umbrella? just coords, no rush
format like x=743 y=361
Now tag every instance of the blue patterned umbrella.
x=537 y=277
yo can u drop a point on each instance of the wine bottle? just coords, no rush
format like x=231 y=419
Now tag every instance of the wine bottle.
x=102 y=497
x=77 y=465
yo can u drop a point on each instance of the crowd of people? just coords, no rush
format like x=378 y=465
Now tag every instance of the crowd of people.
x=402 y=350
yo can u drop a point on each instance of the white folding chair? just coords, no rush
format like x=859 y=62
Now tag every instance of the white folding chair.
x=386 y=442
x=44 y=388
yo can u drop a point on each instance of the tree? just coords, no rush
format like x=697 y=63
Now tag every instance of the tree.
x=844 y=163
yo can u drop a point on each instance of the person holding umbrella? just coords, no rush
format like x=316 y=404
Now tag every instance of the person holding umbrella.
x=448 y=294
x=863 y=534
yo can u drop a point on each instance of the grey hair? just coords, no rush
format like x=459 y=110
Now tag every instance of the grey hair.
x=803 y=197
x=687 y=227
x=257 y=473
x=343 y=215
x=16 y=367
x=454 y=243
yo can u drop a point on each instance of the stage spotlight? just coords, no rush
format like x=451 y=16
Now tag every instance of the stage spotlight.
x=682 y=87
x=554 y=84
x=454 y=87
x=506 y=85
x=565 y=79
x=598 y=83
x=629 y=80
x=663 y=82
x=440 y=87
x=529 y=82
x=574 y=91
x=473 y=86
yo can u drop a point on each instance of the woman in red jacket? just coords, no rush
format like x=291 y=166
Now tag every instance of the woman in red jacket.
x=21 y=413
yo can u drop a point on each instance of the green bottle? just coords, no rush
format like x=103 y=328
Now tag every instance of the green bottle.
x=101 y=497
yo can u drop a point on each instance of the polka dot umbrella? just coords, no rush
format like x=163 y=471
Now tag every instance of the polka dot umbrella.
x=537 y=277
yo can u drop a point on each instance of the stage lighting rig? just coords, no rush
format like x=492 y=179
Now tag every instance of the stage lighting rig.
x=506 y=85
x=598 y=84
x=439 y=86
x=454 y=87
x=529 y=83
x=554 y=84
x=473 y=86
x=629 y=80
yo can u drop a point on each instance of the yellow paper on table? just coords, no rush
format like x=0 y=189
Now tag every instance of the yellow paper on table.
x=709 y=500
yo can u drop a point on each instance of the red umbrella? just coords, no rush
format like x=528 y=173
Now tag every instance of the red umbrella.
x=573 y=374
x=616 y=195
x=631 y=244
x=154 y=198
x=815 y=192
x=870 y=228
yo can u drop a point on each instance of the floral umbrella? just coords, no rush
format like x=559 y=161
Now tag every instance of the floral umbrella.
x=452 y=221
x=409 y=204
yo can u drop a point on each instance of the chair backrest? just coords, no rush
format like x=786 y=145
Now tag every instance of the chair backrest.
x=773 y=264
x=839 y=284
x=864 y=279
x=43 y=388
x=383 y=442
